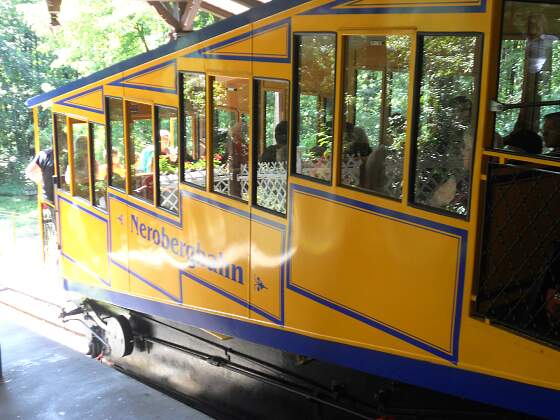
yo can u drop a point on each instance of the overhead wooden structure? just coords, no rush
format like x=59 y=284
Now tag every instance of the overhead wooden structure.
x=180 y=14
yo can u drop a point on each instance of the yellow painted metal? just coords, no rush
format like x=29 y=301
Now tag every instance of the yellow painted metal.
x=401 y=274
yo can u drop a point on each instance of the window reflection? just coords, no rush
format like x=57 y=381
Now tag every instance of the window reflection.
x=529 y=79
x=100 y=159
x=140 y=150
x=194 y=105
x=272 y=144
x=61 y=150
x=315 y=101
x=80 y=158
x=446 y=121
x=375 y=109
x=230 y=131
x=168 y=164
x=116 y=140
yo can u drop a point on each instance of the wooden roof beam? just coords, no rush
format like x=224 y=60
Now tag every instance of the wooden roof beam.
x=166 y=14
x=215 y=10
x=188 y=14
x=248 y=3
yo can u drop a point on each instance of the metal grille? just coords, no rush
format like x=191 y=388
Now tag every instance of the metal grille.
x=519 y=285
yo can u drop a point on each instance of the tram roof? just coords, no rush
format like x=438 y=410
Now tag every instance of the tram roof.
x=251 y=15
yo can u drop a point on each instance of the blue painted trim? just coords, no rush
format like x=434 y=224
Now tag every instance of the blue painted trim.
x=86 y=210
x=233 y=210
x=64 y=101
x=206 y=52
x=263 y=221
x=179 y=224
x=176 y=223
x=382 y=9
x=151 y=284
x=122 y=82
x=234 y=298
x=79 y=265
x=451 y=354
x=189 y=40
x=443 y=378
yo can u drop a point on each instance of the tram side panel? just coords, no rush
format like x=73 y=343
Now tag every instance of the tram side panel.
x=84 y=243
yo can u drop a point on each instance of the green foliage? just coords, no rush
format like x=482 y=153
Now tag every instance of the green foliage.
x=24 y=70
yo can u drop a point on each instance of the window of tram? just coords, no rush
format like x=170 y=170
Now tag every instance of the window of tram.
x=529 y=80
x=100 y=165
x=375 y=109
x=80 y=159
x=167 y=158
x=61 y=150
x=230 y=136
x=194 y=106
x=316 y=56
x=116 y=141
x=446 y=121
x=272 y=144
x=141 y=156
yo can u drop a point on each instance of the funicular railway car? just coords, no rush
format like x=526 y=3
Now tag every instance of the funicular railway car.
x=315 y=192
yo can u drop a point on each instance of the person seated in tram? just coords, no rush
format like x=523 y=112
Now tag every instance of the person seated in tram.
x=551 y=134
x=523 y=141
x=81 y=174
x=355 y=140
x=456 y=157
x=278 y=152
x=376 y=167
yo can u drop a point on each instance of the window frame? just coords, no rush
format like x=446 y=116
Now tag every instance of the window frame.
x=91 y=131
x=156 y=141
x=415 y=120
x=109 y=143
x=128 y=144
x=71 y=120
x=210 y=145
x=412 y=67
x=55 y=148
x=293 y=144
x=254 y=147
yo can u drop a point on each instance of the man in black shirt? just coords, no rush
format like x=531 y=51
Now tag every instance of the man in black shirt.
x=41 y=171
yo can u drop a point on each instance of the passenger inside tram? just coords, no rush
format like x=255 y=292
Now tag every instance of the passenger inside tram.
x=551 y=134
x=278 y=152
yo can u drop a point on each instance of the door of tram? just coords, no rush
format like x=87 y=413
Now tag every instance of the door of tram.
x=519 y=284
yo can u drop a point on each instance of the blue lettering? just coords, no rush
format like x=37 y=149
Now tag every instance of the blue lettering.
x=156 y=239
x=134 y=223
x=164 y=239
x=174 y=244
x=235 y=269
x=143 y=230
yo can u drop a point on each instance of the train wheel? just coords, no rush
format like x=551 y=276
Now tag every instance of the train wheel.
x=119 y=336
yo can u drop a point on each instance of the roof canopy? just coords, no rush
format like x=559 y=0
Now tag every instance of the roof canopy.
x=180 y=14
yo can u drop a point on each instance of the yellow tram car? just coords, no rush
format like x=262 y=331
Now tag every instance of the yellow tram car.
x=371 y=184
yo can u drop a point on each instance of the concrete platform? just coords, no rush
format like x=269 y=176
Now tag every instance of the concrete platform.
x=44 y=380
